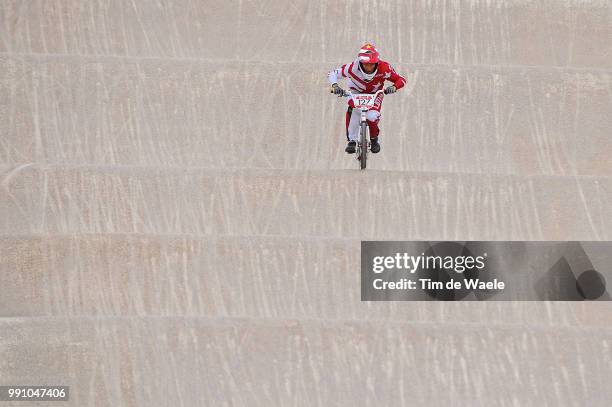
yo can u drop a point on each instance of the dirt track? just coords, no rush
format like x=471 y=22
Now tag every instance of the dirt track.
x=179 y=218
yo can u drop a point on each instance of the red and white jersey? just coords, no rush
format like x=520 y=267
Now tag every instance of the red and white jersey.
x=356 y=81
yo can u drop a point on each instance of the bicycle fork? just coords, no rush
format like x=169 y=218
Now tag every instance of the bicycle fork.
x=363 y=125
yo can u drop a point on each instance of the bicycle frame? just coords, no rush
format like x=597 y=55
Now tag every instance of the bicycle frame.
x=364 y=102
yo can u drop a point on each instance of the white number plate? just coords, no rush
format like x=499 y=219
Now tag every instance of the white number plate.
x=363 y=100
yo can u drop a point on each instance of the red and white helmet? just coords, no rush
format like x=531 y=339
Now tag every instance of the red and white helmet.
x=368 y=54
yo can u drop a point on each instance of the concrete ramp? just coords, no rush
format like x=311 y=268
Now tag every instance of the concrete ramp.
x=181 y=227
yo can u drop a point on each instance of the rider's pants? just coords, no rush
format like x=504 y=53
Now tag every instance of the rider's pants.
x=372 y=118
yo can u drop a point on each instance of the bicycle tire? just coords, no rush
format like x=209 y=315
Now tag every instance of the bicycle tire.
x=363 y=138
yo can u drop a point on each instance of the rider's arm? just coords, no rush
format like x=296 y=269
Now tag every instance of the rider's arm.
x=337 y=73
x=398 y=80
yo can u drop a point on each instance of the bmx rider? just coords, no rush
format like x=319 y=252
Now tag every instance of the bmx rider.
x=366 y=74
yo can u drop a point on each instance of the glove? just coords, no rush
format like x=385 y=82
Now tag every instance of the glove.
x=390 y=89
x=337 y=90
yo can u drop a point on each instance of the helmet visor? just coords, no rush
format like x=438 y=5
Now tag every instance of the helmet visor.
x=368 y=57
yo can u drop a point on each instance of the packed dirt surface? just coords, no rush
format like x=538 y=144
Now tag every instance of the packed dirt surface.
x=180 y=225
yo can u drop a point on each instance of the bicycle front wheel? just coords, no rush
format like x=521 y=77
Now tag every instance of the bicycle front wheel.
x=363 y=138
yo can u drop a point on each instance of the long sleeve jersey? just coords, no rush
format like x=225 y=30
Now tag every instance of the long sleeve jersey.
x=356 y=81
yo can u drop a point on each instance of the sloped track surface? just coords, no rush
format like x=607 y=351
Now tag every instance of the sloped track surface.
x=179 y=219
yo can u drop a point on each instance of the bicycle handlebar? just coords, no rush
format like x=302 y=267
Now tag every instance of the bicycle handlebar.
x=349 y=93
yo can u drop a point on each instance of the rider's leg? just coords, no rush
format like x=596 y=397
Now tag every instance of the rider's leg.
x=349 y=113
x=352 y=130
x=353 y=125
x=373 y=117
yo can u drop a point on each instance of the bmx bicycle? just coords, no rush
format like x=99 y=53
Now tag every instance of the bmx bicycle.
x=364 y=102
